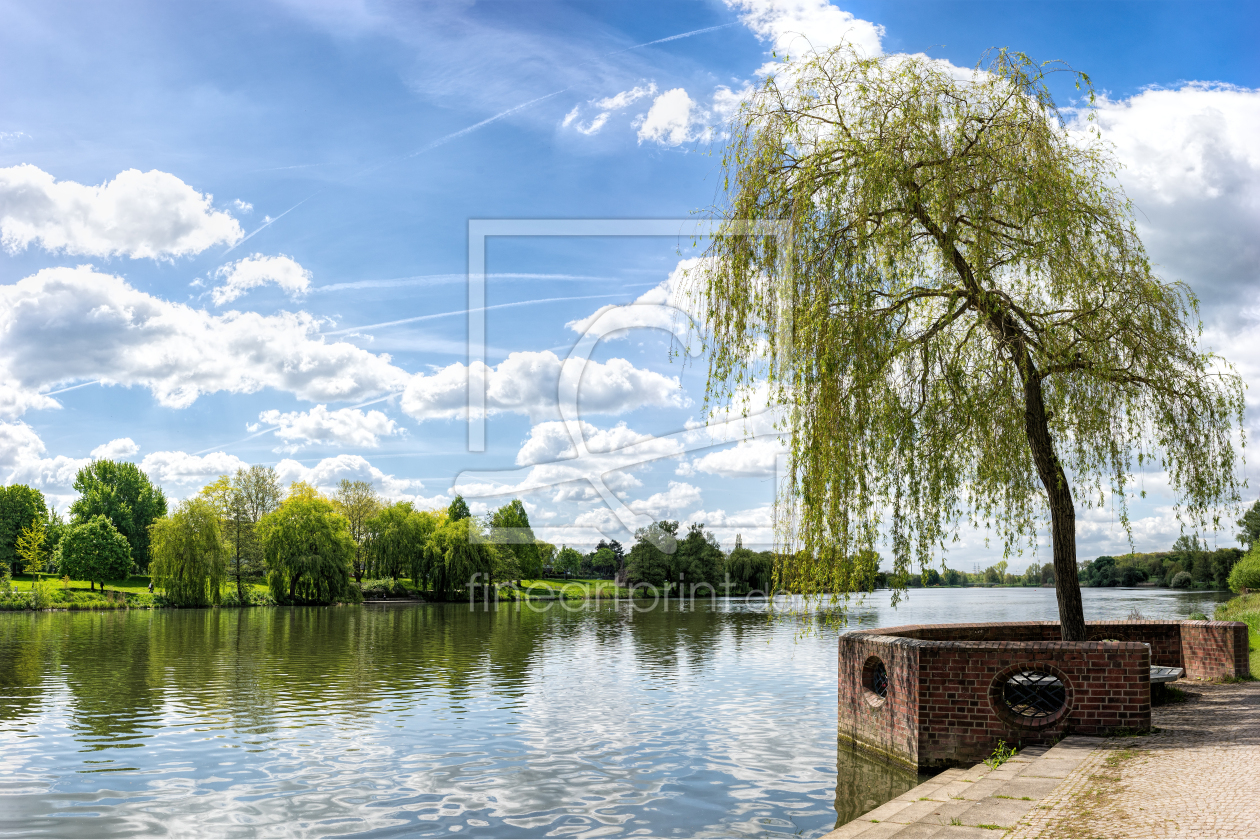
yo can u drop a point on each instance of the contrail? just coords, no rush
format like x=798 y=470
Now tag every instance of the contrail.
x=463 y=312
x=676 y=37
x=71 y=388
x=269 y=223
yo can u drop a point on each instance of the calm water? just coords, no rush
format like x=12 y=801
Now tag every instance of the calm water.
x=432 y=720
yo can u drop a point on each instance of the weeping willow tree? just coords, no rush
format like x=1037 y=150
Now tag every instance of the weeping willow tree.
x=956 y=314
x=189 y=554
x=308 y=549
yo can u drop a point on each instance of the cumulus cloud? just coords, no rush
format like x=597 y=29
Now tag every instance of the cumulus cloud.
x=75 y=324
x=672 y=291
x=795 y=26
x=257 y=270
x=115 y=449
x=345 y=426
x=528 y=382
x=747 y=459
x=673 y=119
x=22 y=460
x=1191 y=159
x=327 y=473
x=138 y=214
x=174 y=467
x=550 y=462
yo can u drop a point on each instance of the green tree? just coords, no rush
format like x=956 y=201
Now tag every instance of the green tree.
x=19 y=505
x=95 y=551
x=509 y=527
x=568 y=561
x=698 y=559
x=546 y=555
x=959 y=312
x=651 y=557
x=189 y=554
x=459 y=557
x=398 y=534
x=30 y=546
x=308 y=549
x=242 y=500
x=1250 y=525
x=358 y=502
x=458 y=509
x=121 y=492
x=931 y=577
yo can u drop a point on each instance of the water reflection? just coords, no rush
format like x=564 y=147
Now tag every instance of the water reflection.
x=427 y=720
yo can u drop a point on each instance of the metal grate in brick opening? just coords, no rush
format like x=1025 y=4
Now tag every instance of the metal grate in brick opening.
x=879 y=679
x=1034 y=694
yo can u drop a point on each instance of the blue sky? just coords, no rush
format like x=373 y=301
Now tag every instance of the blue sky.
x=207 y=211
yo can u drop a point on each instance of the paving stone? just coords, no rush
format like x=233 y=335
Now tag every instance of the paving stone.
x=1034 y=787
x=885 y=811
x=966 y=832
x=1194 y=778
x=921 y=810
x=1005 y=812
x=1055 y=768
x=881 y=831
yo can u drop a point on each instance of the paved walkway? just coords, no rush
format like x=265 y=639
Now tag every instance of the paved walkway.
x=1199 y=776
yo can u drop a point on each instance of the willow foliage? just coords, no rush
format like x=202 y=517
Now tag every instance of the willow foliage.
x=957 y=316
x=308 y=549
x=189 y=554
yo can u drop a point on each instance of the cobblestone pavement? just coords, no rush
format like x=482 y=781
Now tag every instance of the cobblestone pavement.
x=1199 y=776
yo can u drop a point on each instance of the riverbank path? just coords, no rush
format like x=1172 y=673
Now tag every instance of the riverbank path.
x=1195 y=777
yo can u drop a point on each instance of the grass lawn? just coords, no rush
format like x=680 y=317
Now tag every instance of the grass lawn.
x=135 y=585
x=1245 y=608
x=574 y=588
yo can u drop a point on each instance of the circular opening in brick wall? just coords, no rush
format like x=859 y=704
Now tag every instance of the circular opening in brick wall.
x=1030 y=696
x=875 y=681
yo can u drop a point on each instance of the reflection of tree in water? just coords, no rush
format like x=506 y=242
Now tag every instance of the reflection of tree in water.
x=27 y=653
x=117 y=692
x=863 y=783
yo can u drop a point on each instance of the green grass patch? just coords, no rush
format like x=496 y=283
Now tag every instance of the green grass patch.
x=576 y=589
x=1245 y=608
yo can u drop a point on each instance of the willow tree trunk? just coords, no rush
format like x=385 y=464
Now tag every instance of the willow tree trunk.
x=1067 y=586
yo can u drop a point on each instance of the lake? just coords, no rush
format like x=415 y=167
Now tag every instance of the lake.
x=579 y=719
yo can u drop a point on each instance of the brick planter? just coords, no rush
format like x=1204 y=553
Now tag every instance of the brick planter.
x=934 y=695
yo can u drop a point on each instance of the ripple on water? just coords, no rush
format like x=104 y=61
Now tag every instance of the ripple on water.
x=432 y=720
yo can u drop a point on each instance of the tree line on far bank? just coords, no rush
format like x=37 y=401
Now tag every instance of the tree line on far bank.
x=312 y=548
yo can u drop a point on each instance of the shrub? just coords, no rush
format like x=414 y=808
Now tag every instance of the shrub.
x=1181 y=580
x=42 y=595
x=385 y=588
x=1246 y=574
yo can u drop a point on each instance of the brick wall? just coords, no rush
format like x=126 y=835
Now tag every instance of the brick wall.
x=1214 y=649
x=944 y=705
x=888 y=728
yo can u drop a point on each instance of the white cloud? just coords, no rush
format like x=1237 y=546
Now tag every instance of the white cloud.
x=1191 y=161
x=258 y=270
x=327 y=473
x=345 y=426
x=243 y=206
x=670 y=119
x=528 y=382
x=606 y=107
x=645 y=312
x=594 y=126
x=138 y=214
x=626 y=98
x=115 y=449
x=75 y=324
x=22 y=461
x=550 y=463
x=181 y=468
x=669 y=503
x=747 y=459
x=796 y=26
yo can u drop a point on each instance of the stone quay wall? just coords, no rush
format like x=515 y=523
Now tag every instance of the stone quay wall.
x=945 y=698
